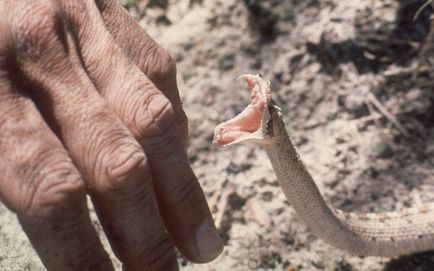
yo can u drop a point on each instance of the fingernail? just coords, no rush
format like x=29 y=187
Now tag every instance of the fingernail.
x=209 y=243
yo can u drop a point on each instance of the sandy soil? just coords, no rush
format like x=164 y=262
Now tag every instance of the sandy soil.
x=337 y=69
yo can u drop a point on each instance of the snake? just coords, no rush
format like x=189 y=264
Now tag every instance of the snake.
x=385 y=234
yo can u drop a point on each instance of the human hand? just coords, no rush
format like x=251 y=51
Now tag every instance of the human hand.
x=89 y=104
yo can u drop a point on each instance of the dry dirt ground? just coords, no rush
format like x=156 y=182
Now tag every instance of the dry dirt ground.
x=361 y=118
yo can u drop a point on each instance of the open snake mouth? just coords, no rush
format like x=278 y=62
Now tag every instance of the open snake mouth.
x=248 y=125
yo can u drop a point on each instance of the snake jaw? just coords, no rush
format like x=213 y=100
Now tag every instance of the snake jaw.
x=252 y=124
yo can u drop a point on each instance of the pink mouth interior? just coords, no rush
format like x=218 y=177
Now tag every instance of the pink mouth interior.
x=246 y=125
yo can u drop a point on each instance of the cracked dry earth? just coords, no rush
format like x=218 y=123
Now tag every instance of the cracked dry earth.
x=336 y=67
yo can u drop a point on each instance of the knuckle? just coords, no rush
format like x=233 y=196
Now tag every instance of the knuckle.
x=37 y=28
x=125 y=165
x=161 y=65
x=155 y=117
x=49 y=191
x=155 y=125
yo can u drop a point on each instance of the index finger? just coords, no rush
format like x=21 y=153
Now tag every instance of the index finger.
x=155 y=62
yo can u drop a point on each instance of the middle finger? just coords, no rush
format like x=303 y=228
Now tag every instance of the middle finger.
x=150 y=117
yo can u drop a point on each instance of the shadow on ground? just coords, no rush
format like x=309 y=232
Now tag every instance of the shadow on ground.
x=417 y=262
x=374 y=49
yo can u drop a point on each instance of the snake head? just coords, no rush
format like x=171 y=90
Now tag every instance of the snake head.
x=254 y=123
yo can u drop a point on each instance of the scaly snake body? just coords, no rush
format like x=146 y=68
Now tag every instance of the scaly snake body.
x=369 y=234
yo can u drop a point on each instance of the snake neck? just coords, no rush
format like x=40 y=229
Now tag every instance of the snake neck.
x=386 y=234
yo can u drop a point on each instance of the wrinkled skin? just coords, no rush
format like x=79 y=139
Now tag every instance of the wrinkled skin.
x=89 y=105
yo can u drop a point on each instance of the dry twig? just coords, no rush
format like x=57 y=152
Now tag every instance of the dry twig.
x=372 y=99
x=222 y=205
